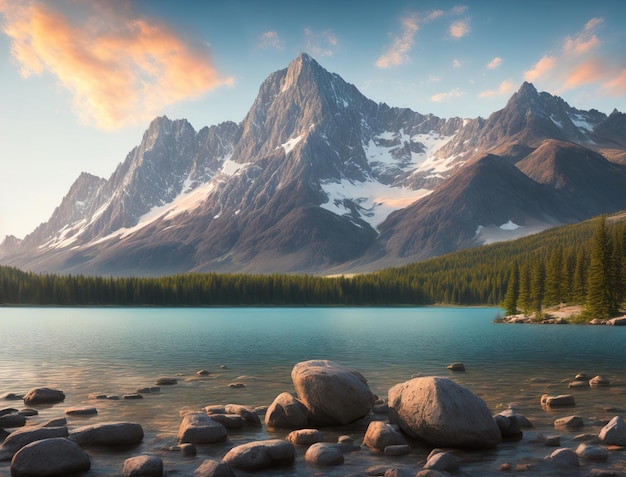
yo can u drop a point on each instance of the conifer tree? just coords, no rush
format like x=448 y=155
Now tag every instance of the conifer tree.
x=512 y=291
x=523 y=299
x=555 y=281
x=601 y=301
x=537 y=285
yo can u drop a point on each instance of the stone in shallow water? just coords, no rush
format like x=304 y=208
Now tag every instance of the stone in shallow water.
x=214 y=468
x=591 y=452
x=599 y=381
x=56 y=456
x=305 y=437
x=81 y=411
x=380 y=435
x=166 y=381
x=562 y=400
x=43 y=396
x=143 y=466
x=200 y=429
x=108 y=434
x=456 y=367
x=569 y=422
x=324 y=454
x=614 y=433
x=24 y=436
x=260 y=455
x=286 y=412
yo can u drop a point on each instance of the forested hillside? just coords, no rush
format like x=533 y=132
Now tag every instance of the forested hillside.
x=566 y=264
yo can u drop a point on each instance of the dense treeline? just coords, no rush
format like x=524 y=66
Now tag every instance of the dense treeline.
x=559 y=265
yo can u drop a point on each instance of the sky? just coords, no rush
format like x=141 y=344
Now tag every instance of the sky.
x=80 y=80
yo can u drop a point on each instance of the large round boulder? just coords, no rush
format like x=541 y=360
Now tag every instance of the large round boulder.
x=333 y=394
x=260 y=455
x=286 y=412
x=50 y=457
x=108 y=434
x=213 y=468
x=442 y=413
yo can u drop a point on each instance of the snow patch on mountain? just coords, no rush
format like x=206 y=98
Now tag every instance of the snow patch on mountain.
x=289 y=145
x=374 y=201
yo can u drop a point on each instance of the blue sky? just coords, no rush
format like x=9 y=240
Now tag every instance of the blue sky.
x=81 y=80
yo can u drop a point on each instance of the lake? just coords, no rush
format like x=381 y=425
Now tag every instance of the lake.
x=118 y=350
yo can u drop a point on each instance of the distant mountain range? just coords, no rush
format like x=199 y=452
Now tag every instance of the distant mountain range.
x=317 y=178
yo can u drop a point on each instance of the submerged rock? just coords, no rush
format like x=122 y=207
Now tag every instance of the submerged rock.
x=442 y=413
x=333 y=394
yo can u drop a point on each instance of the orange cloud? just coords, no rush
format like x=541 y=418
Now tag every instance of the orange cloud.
x=447 y=96
x=506 y=87
x=617 y=85
x=459 y=28
x=119 y=68
x=495 y=63
x=584 y=73
x=544 y=65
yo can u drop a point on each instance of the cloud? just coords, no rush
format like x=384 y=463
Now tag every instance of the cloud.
x=459 y=28
x=320 y=44
x=495 y=63
x=119 y=67
x=579 y=62
x=506 y=87
x=456 y=63
x=397 y=53
x=270 y=39
x=447 y=96
x=541 y=68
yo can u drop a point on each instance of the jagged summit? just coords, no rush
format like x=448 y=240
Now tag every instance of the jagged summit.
x=319 y=178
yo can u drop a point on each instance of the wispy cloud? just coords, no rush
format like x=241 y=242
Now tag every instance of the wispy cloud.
x=447 y=96
x=456 y=63
x=460 y=28
x=495 y=63
x=397 y=53
x=120 y=68
x=579 y=62
x=271 y=39
x=506 y=88
x=322 y=43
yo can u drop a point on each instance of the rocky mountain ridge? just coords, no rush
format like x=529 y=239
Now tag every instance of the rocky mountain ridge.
x=318 y=178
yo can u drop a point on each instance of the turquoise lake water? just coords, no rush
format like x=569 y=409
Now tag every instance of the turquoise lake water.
x=118 y=350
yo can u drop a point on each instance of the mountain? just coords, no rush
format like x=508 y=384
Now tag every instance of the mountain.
x=318 y=178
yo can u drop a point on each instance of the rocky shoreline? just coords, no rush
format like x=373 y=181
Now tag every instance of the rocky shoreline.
x=422 y=413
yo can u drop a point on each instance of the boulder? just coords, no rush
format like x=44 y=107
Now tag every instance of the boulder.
x=380 y=435
x=562 y=400
x=569 y=422
x=397 y=450
x=456 y=367
x=324 y=454
x=50 y=457
x=599 y=381
x=305 y=437
x=521 y=420
x=286 y=412
x=12 y=420
x=143 y=466
x=621 y=321
x=8 y=396
x=442 y=413
x=260 y=455
x=591 y=452
x=24 y=436
x=441 y=461
x=229 y=421
x=333 y=394
x=614 y=433
x=564 y=457
x=43 y=396
x=199 y=428
x=214 y=468
x=509 y=426
x=248 y=414
x=108 y=434
x=166 y=381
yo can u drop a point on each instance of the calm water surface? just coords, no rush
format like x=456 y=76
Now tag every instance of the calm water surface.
x=118 y=350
